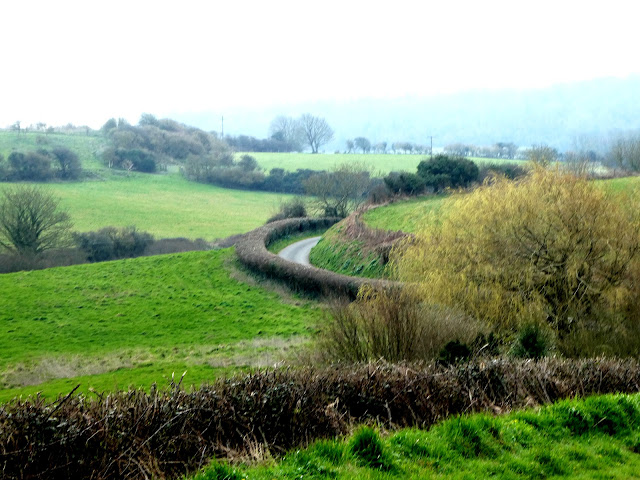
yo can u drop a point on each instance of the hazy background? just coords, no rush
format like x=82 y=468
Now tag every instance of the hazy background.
x=476 y=72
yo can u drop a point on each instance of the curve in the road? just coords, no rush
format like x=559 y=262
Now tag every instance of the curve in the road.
x=298 y=252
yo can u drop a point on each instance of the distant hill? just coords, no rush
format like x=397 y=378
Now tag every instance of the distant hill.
x=556 y=115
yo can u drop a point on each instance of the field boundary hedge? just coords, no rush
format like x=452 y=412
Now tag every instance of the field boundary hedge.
x=252 y=251
x=168 y=433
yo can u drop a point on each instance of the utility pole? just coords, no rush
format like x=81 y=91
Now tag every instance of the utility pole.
x=222 y=127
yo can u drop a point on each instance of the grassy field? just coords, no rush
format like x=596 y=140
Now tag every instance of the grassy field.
x=165 y=205
x=595 y=438
x=131 y=322
x=380 y=164
x=86 y=147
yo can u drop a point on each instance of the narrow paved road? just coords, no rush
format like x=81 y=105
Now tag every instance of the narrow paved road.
x=299 y=252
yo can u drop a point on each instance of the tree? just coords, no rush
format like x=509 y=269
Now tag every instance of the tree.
x=68 y=162
x=542 y=155
x=316 y=131
x=444 y=171
x=363 y=144
x=30 y=166
x=287 y=129
x=350 y=146
x=551 y=248
x=341 y=190
x=31 y=222
x=625 y=152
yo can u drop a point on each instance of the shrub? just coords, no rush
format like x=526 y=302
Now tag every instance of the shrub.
x=69 y=167
x=111 y=243
x=444 y=171
x=35 y=166
x=532 y=342
x=390 y=324
x=508 y=170
x=404 y=183
x=548 y=248
x=293 y=208
x=453 y=352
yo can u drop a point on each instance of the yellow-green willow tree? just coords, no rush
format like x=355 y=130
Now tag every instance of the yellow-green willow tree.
x=549 y=248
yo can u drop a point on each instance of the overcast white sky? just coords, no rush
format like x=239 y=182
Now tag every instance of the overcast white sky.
x=84 y=62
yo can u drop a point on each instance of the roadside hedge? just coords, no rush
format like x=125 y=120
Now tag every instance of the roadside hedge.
x=168 y=433
x=252 y=251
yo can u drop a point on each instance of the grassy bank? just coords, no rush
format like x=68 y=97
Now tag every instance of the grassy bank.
x=131 y=322
x=598 y=437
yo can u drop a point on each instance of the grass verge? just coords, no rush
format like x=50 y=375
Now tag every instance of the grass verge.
x=598 y=437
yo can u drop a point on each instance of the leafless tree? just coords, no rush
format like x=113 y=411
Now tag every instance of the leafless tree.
x=287 y=129
x=31 y=222
x=316 y=130
x=341 y=190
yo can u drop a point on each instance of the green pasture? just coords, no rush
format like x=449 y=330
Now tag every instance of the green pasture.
x=593 y=438
x=166 y=205
x=86 y=147
x=132 y=322
x=379 y=164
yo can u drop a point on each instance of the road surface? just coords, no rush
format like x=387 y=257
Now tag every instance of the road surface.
x=299 y=252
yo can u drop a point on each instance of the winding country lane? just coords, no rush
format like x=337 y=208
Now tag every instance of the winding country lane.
x=299 y=252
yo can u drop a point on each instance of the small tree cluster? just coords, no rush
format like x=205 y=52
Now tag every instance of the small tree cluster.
x=41 y=165
x=155 y=143
x=306 y=130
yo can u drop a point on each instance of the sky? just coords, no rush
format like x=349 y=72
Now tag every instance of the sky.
x=84 y=62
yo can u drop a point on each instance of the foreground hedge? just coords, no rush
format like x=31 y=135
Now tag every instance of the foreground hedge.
x=252 y=252
x=165 y=434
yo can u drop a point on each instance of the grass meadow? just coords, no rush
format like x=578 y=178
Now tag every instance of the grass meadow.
x=379 y=164
x=593 y=438
x=132 y=322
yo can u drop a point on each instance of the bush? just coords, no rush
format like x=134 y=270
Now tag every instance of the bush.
x=293 y=208
x=69 y=167
x=392 y=325
x=33 y=166
x=112 y=243
x=444 y=171
x=405 y=183
x=532 y=342
x=549 y=248
x=511 y=171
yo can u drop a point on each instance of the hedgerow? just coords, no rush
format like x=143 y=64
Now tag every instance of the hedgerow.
x=252 y=251
x=167 y=433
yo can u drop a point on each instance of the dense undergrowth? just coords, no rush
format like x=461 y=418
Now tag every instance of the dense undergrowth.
x=165 y=434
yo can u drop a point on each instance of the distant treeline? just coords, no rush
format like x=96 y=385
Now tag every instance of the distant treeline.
x=40 y=165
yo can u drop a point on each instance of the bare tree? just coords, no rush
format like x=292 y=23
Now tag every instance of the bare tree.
x=542 y=155
x=287 y=129
x=350 y=146
x=341 y=190
x=625 y=152
x=31 y=222
x=316 y=130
